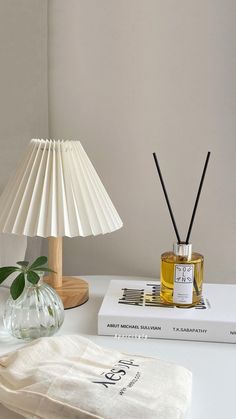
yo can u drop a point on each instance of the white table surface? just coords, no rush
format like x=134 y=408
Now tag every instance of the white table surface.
x=213 y=364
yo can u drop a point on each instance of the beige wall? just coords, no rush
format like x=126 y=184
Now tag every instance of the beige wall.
x=23 y=94
x=129 y=77
x=23 y=78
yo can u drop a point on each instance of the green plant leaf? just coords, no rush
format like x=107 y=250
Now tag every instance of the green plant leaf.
x=17 y=286
x=6 y=271
x=23 y=263
x=33 y=277
x=43 y=270
x=42 y=260
x=50 y=311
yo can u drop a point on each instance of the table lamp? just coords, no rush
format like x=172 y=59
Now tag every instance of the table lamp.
x=56 y=192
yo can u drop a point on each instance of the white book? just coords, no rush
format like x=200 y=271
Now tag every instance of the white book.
x=134 y=309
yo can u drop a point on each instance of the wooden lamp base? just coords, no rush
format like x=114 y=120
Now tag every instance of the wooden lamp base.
x=74 y=291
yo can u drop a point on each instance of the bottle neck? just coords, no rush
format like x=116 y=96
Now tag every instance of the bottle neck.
x=183 y=250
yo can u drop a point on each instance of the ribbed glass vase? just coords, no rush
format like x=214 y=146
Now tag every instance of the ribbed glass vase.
x=36 y=313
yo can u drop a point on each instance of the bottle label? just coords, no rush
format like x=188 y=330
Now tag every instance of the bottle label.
x=183 y=283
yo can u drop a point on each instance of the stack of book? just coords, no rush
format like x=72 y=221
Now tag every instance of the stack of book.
x=134 y=309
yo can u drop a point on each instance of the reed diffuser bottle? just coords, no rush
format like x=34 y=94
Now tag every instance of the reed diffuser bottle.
x=181 y=276
x=181 y=269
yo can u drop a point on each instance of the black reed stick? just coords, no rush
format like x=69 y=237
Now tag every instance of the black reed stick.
x=166 y=196
x=197 y=198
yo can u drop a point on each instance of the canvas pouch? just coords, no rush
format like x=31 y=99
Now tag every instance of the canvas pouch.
x=71 y=377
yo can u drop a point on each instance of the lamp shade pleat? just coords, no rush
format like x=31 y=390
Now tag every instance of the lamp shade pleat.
x=56 y=192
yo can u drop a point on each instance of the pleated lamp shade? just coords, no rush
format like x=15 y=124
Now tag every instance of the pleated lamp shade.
x=56 y=192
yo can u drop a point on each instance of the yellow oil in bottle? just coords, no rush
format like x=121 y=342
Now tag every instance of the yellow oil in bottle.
x=181 y=278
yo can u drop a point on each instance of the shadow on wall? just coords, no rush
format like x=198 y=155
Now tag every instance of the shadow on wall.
x=12 y=249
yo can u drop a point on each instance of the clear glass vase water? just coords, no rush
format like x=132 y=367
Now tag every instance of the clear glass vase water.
x=36 y=313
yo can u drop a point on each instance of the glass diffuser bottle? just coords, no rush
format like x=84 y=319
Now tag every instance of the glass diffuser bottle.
x=181 y=276
x=181 y=269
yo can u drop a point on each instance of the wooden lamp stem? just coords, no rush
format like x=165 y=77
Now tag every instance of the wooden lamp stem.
x=55 y=260
x=72 y=290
